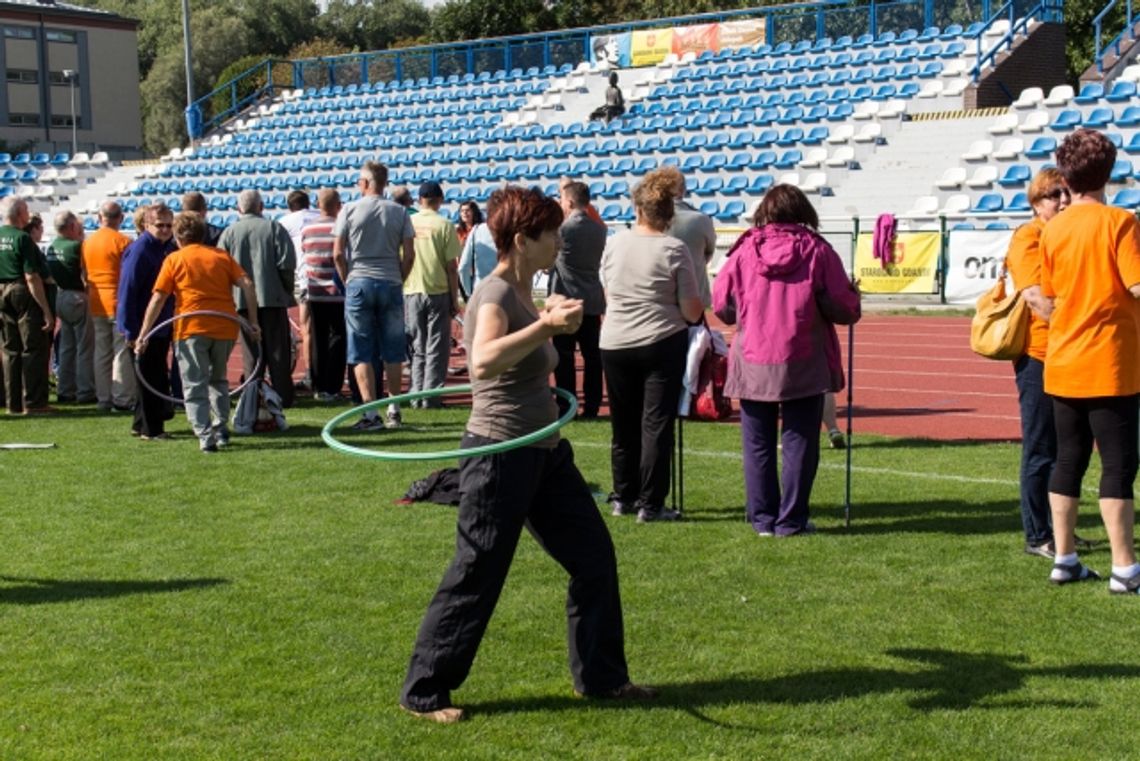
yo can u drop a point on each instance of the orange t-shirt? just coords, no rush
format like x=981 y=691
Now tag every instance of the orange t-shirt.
x=1090 y=255
x=1024 y=264
x=102 y=252
x=201 y=277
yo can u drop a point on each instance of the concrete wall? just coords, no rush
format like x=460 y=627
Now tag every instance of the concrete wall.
x=1039 y=61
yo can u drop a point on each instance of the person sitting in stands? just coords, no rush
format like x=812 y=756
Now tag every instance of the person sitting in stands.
x=615 y=102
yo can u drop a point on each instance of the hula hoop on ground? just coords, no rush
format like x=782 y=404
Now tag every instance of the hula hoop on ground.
x=242 y=323
x=450 y=454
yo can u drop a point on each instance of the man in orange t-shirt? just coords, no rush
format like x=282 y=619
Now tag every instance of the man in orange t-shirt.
x=102 y=252
x=1090 y=269
x=201 y=278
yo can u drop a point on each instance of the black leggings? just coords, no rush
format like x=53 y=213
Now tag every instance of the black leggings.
x=1111 y=421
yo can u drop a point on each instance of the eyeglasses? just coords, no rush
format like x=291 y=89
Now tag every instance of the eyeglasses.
x=1056 y=193
x=163 y=225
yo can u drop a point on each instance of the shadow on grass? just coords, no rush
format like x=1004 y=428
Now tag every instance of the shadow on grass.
x=947 y=681
x=915 y=443
x=936 y=516
x=31 y=591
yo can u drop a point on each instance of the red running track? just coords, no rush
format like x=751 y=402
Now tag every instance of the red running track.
x=915 y=376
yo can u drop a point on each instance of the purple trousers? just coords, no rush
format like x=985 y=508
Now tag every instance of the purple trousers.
x=769 y=512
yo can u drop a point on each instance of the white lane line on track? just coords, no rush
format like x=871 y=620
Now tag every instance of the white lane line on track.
x=988 y=376
x=972 y=358
x=855 y=468
x=942 y=392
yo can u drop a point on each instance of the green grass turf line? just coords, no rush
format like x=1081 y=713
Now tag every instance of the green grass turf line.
x=261 y=603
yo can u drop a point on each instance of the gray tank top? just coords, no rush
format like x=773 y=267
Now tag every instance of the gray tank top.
x=518 y=401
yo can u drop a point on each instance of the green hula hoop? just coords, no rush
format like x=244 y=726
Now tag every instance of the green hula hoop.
x=450 y=454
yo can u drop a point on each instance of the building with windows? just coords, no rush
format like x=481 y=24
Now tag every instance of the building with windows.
x=65 y=67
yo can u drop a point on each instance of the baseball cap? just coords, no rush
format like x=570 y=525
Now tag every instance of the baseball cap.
x=431 y=189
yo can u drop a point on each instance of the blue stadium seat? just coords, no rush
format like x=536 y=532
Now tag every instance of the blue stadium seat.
x=997 y=225
x=1121 y=92
x=1090 y=92
x=1019 y=202
x=974 y=29
x=1121 y=171
x=736 y=185
x=791 y=136
x=1015 y=176
x=816 y=135
x=710 y=187
x=732 y=211
x=760 y=183
x=711 y=208
x=789 y=159
x=929 y=33
x=1128 y=198
x=953 y=49
x=884 y=39
x=766 y=137
x=21 y=160
x=611 y=212
x=738 y=161
x=931 y=69
x=1043 y=147
x=1068 y=119
x=1098 y=118
x=840 y=112
x=988 y=202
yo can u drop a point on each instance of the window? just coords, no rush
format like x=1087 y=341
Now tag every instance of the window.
x=24 y=120
x=59 y=36
x=65 y=121
x=23 y=76
x=58 y=78
x=20 y=32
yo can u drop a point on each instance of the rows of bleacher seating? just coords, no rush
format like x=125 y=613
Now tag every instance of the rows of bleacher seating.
x=44 y=176
x=996 y=169
x=735 y=121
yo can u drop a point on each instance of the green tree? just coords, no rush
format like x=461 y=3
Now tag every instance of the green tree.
x=277 y=26
x=218 y=37
x=373 y=24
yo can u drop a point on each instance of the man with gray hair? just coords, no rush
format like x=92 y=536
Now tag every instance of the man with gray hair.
x=265 y=251
x=75 y=379
x=376 y=230
x=26 y=319
x=115 y=385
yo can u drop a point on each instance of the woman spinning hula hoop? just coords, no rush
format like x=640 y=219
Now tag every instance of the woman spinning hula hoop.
x=537 y=486
x=201 y=278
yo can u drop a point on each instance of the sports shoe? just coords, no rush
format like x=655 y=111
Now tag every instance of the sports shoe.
x=208 y=445
x=222 y=438
x=393 y=419
x=838 y=441
x=156 y=437
x=1043 y=550
x=1067 y=574
x=449 y=715
x=620 y=508
x=367 y=423
x=325 y=397
x=648 y=515
x=1119 y=585
x=628 y=691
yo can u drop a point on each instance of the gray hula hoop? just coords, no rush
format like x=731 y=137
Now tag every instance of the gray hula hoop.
x=243 y=324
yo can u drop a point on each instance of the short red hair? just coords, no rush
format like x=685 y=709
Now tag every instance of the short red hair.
x=512 y=210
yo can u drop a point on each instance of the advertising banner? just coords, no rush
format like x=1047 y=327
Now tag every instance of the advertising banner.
x=650 y=46
x=611 y=50
x=695 y=39
x=974 y=260
x=912 y=269
x=741 y=34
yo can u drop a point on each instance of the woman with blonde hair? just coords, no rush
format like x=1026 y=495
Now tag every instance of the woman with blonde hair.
x=1048 y=195
x=651 y=297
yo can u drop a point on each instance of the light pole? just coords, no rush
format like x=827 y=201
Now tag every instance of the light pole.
x=71 y=75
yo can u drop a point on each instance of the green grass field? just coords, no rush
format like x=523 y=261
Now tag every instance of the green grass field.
x=157 y=603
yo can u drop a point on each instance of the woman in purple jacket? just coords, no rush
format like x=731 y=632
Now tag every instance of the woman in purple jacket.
x=785 y=288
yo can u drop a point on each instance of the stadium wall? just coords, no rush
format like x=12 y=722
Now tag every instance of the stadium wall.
x=1039 y=61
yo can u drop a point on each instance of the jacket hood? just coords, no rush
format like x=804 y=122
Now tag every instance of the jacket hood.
x=782 y=248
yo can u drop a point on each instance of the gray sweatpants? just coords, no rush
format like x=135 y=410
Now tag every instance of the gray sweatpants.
x=205 y=390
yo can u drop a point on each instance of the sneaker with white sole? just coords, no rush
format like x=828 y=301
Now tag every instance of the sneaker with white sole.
x=393 y=419
x=367 y=423
x=653 y=515
x=620 y=508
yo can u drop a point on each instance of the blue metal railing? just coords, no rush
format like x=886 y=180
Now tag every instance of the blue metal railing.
x=1098 y=28
x=1045 y=10
x=796 y=21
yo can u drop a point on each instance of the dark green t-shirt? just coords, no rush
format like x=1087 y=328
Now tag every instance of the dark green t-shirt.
x=18 y=254
x=64 y=263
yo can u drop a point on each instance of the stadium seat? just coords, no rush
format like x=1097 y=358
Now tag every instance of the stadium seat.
x=1004 y=125
x=789 y=159
x=1128 y=198
x=1030 y=97
x=1090 y=93
x=924 y=206
x=983 y=177
x=736 y=185
x=1035 y=121
x=710 y=187
x=1015 y=176
x=732 y=211
x=844 y=157
x=1129 y=117
x=979 y=150
x=813 y=158
x=1121 y=92
x=1009 y=149
x=1098 y=118
x=763 y=160
x=1061 y=95
x=952 y=178
x=988 y=203
x=1121 y=171
x=1043 y=147
x=759 y=184
x=1019 y=202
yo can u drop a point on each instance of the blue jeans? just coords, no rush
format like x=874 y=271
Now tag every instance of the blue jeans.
x=1038 y=449
x=374 y=318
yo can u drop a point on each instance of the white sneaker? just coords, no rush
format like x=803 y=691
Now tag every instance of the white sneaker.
x=393 y=419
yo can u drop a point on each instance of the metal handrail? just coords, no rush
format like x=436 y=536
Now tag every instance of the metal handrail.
x=1098 y=25
x=1042 y=10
